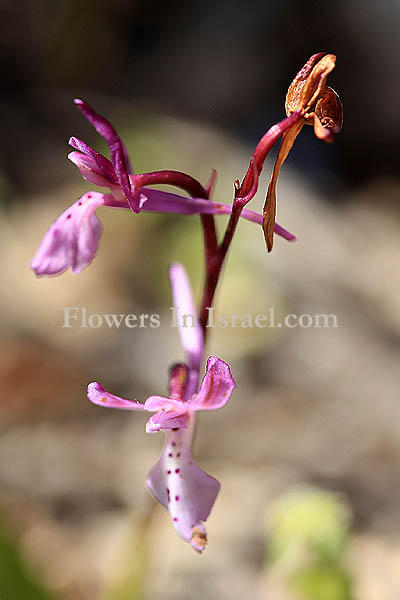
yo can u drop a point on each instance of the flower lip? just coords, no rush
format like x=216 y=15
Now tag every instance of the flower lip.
x=72 y=240
x=215 y=391
x=176 y=481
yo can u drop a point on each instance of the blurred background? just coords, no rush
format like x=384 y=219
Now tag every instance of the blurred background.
x=308 y=449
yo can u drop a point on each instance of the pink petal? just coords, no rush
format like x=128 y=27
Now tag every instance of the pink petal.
x=187 y=320
x=166 y=202
x=72 y=240
x=187 y=491
x=89 y=169
x=216 y=387
x=98 y=395
x=103 y=164
x=167 y=419
x=117 y=150
x=279 y=230
x=155 y=403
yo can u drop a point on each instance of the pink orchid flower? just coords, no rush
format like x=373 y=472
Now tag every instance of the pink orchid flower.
x=176 y=481
x=72 y=240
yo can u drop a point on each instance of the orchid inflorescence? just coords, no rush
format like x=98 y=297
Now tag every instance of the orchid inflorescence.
x=176 y=481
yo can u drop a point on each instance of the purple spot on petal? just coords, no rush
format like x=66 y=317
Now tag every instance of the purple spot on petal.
x=173 y=444
x=69 y=216
x=168 y=495
x=177 y=470
x=178 y=455
x=170 y=454
x=80 y=203
x=169 y=472
x=175 y=519
x=88 y=195
x=177 y=498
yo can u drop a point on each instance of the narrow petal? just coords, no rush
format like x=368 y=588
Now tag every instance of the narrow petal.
x=167 y=419
x=270 y=203
x=186 y=315
x=165 y=202
x=117 y=150
x=103 y=164
x=72 y=240
x=89 y=169
x=282 y=232
x=254 y=217
x=101 y=125
x=216 y=387
x=98 y=395
x=317 y=80
x=187 y=491
x=294 y=98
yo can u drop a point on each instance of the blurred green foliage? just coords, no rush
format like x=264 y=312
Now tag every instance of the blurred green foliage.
x=129 y=581
x=308 y=538
x=322 y=581
x=16 y=580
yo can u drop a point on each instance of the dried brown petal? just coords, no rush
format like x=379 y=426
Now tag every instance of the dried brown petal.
x=295 y=89
x=329 y=110
x=269 y=216
x=199 y=538
x=315 y=84
x=309 y=83
x=317 y=105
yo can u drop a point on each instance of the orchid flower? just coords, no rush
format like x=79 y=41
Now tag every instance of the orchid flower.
x=176 y=481
x=72 y=240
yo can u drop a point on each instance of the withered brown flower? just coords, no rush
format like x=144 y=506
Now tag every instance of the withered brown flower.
x=320 y=107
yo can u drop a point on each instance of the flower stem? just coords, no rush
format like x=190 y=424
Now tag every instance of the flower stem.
x=214 y=269
x=180 y=180
x=243 y=194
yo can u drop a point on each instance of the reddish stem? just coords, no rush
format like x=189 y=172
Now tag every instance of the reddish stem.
x=243 y=194
x=212 y=275
x=260 y=154
x=209 y=231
